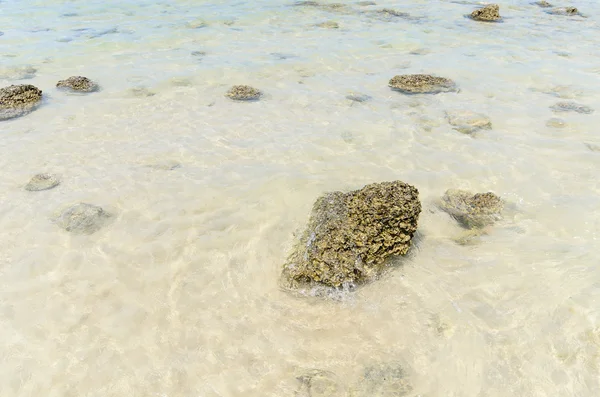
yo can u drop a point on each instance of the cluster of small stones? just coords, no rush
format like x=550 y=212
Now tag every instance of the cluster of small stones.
x=350 y=235
x=78 y=84
x=489 y=13
x=421 y=84
x=472 y=210
x=244 y=93
x=18 y=100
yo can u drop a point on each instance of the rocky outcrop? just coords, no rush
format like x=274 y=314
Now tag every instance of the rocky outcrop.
x=78 y=84
x=83 y=218
x=472 y=210
x=244 y=93
x=421 y=84
x=489 y=13
x=18 y=100
x=42 y=182
x=350 y=235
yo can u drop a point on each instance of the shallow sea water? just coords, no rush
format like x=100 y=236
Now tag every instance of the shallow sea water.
x=179 y=296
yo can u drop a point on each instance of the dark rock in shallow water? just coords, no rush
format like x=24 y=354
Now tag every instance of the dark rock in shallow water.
x=318 y=383
x=42 y=182
x=78 y=84
x=570 y=11
x=489 y=13
x=543 y=4
x=350 y=235
x=382 y=380
x=328 y=25
x=366 y=3
x=472 y=210
x=389 y=13
x=571 y=107
x=421 y=84
x=244 y=93
x=83 y=219
x=18 y=100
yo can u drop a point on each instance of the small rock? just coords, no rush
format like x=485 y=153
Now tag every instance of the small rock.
x=350 y=235
x=543 y=4
x=141 y=92
x=83 y=219
x=472 y=210
x=78 y=84
x=329 y=25
x=323 y=6
x=42 y=182
x=198 y=53
x=318 y=383
x=356 y=97
x=489 y=13
x=468 y=122
x=382 y=380
x=571 y=107
x=421 y=84
x=366 y=3
x=18 y=100
x=388 y=12
x=556 y=123
x=569 y=11
x=196 y=24
x=244 y=93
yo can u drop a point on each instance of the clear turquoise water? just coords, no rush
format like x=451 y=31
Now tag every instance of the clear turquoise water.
x=178 y=296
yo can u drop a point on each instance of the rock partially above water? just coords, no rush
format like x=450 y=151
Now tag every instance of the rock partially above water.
x=489 y=13
x=78 y=84
x=42 y=182
x=468 y=122
x=18 y=100
x=472 y=210
x=382 y=380
x=543 y=4
x=421 y=84
x=570 y=11
x=244 y=93
x=83 y=219
x=571 y=107
x=350 y=235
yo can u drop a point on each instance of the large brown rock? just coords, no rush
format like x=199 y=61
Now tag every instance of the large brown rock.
x=489 y=13
x=18 y=100
x=421 y=84
x=350 y=235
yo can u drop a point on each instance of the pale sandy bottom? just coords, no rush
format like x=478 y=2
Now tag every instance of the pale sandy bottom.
x=178 y=295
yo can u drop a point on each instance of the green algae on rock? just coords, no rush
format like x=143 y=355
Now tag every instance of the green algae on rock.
x=42 y=182
x=83 y=218
x=244 y=93
x=421 y=84
x=18 y=100
x=78 y=84
x=472 y=210
x=350 y=235
x=489 y=13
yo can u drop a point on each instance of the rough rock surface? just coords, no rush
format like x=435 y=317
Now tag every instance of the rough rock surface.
x=42 y=182
x=83 y=219
x=472 y=210
x=468 y=122
x=349 y=235
x=244 y=93
x=564 y=11
x=421 y=84
x=571 y=107
x=18 y=100
x=78 y=84
x=382 y=380
x=489 y=13
x=318 y=383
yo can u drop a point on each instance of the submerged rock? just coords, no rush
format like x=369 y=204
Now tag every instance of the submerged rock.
x=322 y=6
x=42 y=182
x=389 y=13
x=357 y=97
x=318 y=383
x=18 y=72
x=328 y=25
x=489 y=13
x=18 y=100
x=556 y=123
x=421 y=84
x=78 y=84
x=382 y=380
x=244 y=93
x=350 y=235
x=366 y=3
x=571 y=107
x=472 y=210
x=83 y=219
x=543 y=4
x=564 y=11
x=468 y=122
